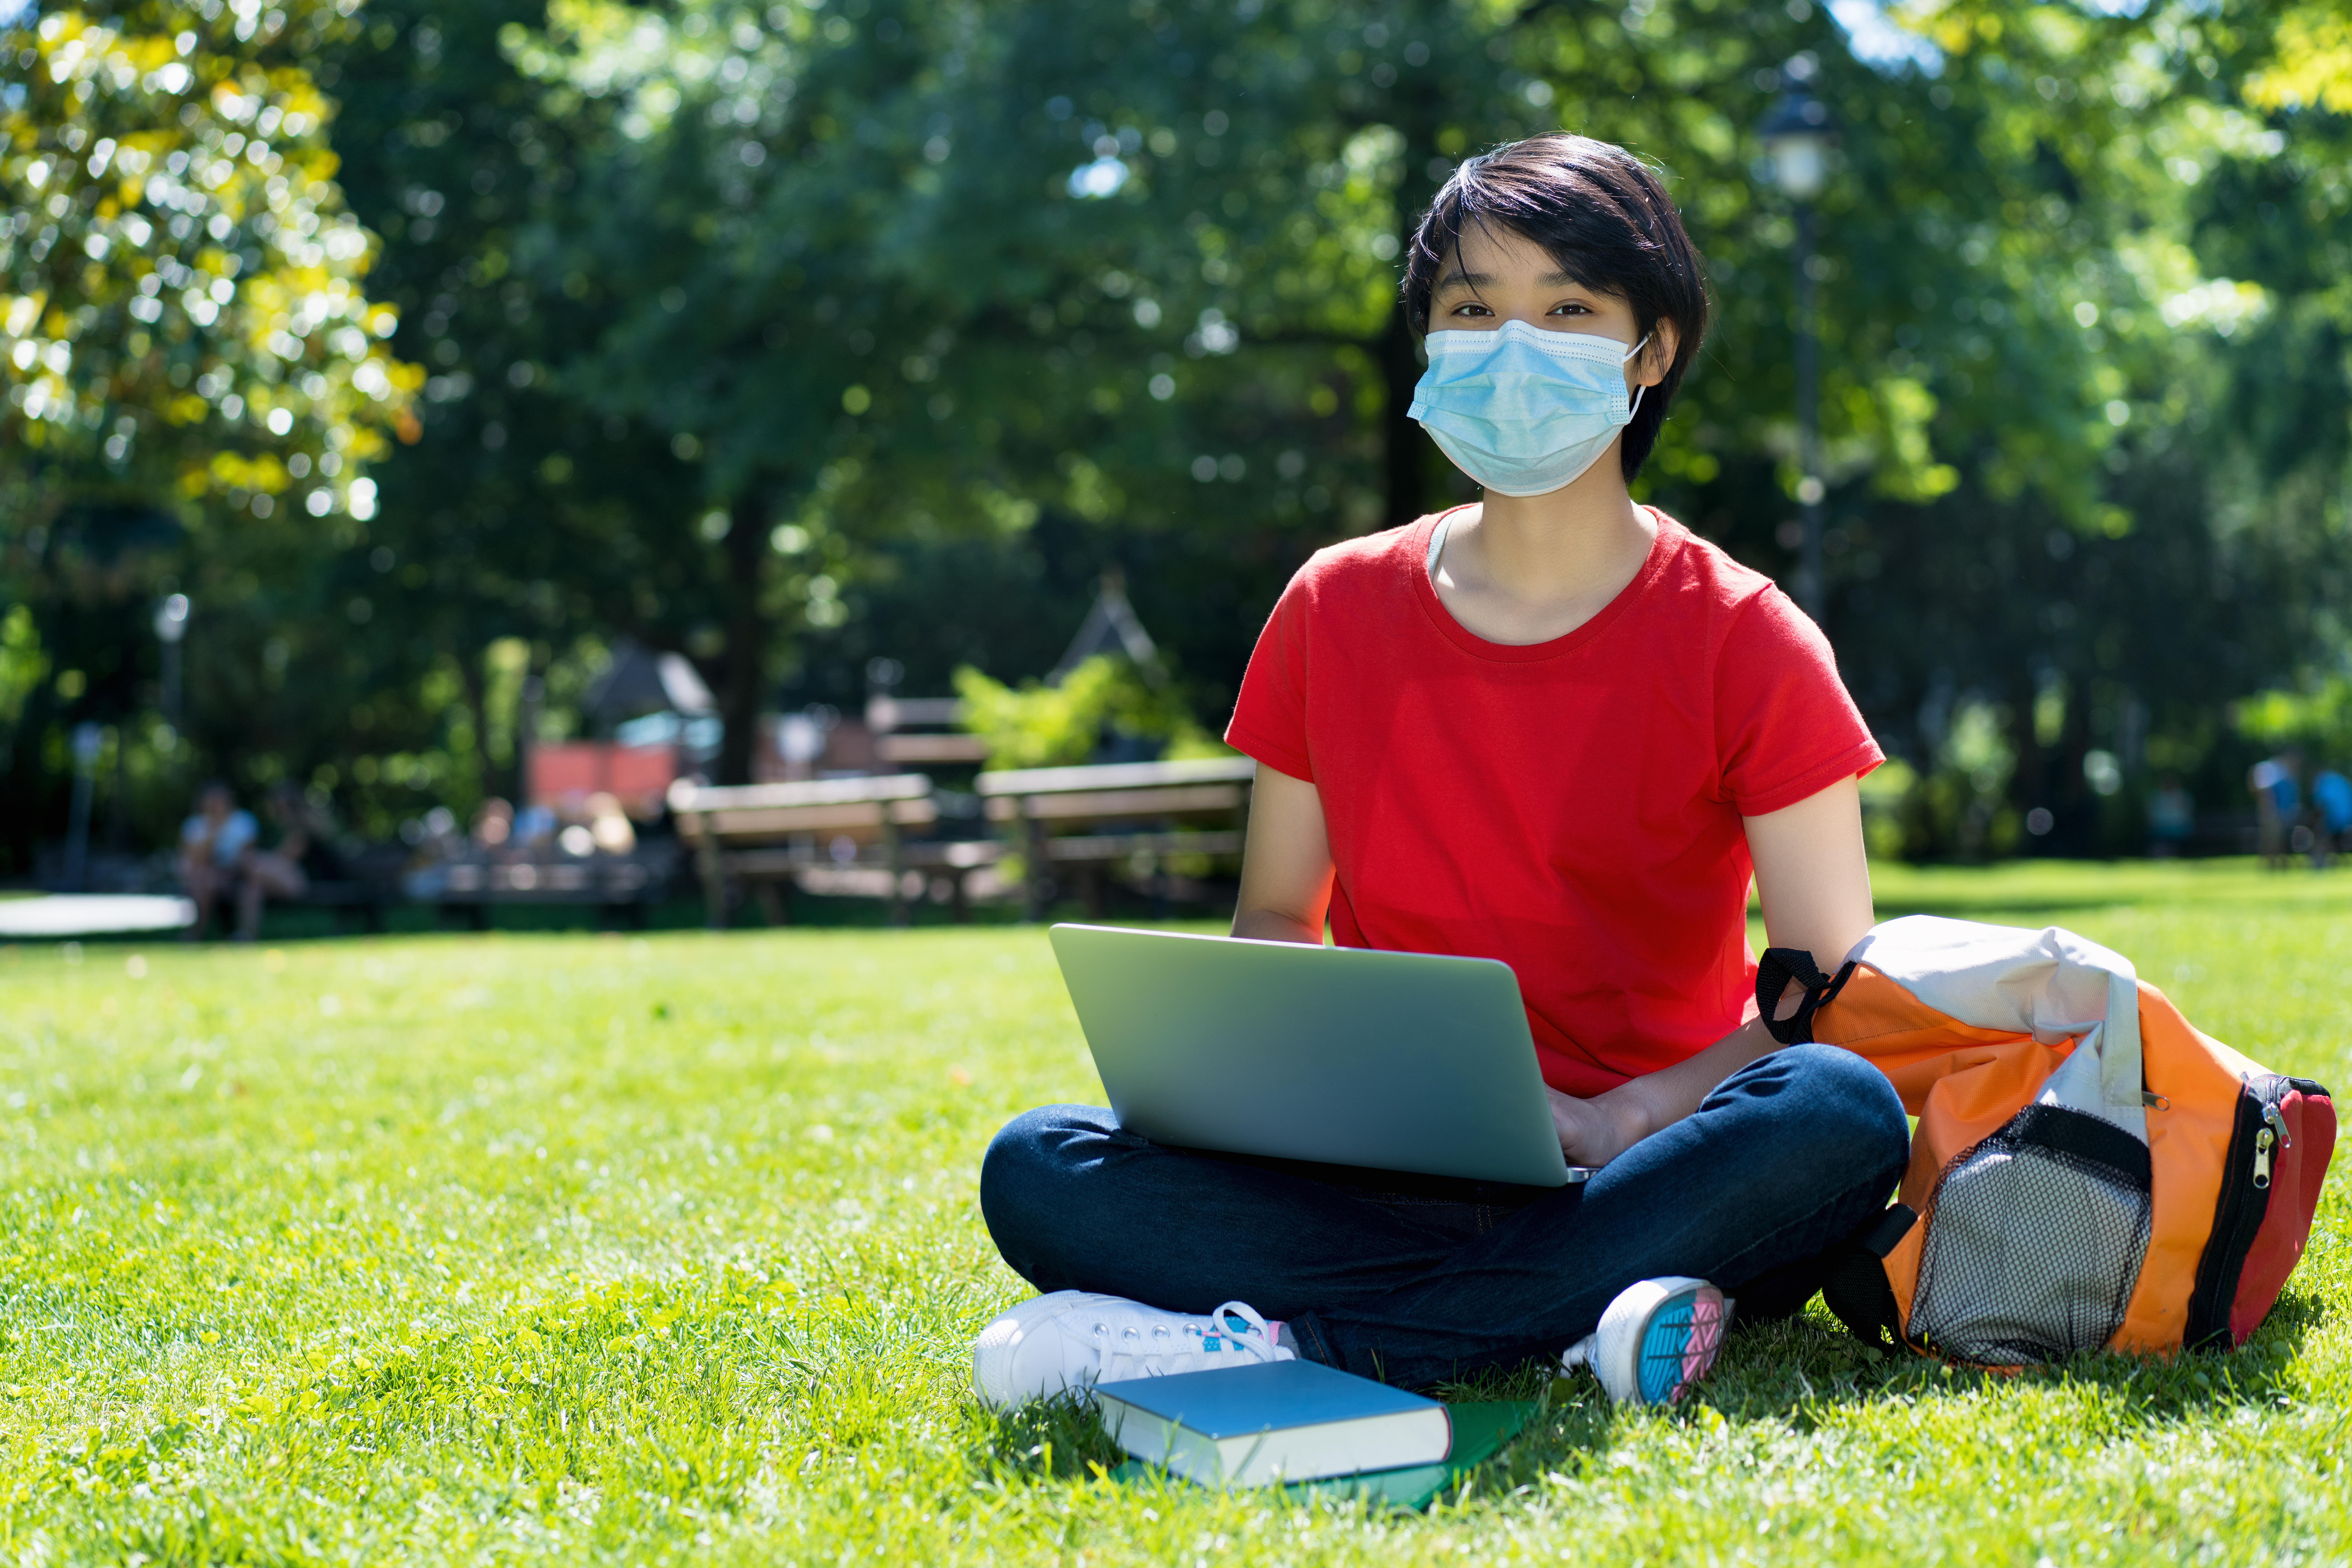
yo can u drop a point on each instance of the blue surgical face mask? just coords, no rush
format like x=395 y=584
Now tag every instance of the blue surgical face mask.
x=1524 y=410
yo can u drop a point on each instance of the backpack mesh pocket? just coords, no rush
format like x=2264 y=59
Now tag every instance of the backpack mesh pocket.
x=2035 y=1239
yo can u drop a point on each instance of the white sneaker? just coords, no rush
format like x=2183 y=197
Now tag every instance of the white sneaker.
x=1074 y=1340
x=1656 y=1338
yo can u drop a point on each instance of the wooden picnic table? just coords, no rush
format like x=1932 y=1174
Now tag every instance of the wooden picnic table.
x=1132 y=807
x=765 y=838
x=874 y=832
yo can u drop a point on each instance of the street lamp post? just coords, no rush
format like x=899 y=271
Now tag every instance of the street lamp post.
x=171 y=627
x=87 y=740
x=1797 y=135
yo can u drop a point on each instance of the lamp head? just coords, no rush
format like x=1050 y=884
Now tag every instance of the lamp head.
x=1798 y=133
x=172 y=618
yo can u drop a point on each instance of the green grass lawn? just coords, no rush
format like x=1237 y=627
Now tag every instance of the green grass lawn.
x=558 y=1246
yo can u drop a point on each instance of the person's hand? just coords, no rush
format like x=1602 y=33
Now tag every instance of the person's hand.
x=1595 y=1131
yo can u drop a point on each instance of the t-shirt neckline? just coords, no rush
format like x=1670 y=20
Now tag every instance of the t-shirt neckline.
x=1415 y=556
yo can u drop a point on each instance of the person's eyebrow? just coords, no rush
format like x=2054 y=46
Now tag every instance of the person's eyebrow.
x=1476 y=281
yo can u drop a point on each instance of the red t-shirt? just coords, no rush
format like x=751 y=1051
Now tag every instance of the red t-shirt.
x=1569 y=807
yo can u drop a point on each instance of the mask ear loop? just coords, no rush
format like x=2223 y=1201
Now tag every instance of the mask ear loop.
x=1635 y=406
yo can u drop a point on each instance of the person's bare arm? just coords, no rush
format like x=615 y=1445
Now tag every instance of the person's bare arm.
x=1814 y=881
x=1286 y=864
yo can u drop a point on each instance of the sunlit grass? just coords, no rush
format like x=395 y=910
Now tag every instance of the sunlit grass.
x=564 y=1247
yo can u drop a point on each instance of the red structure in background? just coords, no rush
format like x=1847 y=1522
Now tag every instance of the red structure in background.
x=564 y=774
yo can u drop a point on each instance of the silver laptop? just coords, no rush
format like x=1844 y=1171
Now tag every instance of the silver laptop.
x=1399 y=1061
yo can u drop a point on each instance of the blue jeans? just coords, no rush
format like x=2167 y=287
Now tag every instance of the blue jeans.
x=1419 y=1280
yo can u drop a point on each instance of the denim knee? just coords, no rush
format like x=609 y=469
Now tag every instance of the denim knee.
x=1853 y=1111
x=1019 y=1161
x=1839 y=1111
x=1026 y=1161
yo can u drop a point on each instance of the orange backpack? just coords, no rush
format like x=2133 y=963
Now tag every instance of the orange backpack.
x=2089 y=1171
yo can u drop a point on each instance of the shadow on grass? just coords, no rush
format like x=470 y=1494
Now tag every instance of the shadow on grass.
x=1063 y=1438
x=1800 y=1372
x=1060 y=1439
x=1796 y=1371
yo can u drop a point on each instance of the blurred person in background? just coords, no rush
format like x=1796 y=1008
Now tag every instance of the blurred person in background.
x=2331 y=801
x=2171 y=818
x=609 y=826
x=216 y=853
x=493 y=830
x=2278 y=801
x=284 y=871
x=534 y=828
x=305 y=852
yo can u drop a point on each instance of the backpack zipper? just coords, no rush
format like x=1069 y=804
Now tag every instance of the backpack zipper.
x=2238 y=1213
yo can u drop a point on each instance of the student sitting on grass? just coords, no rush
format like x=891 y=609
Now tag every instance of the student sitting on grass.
x=1552 y=728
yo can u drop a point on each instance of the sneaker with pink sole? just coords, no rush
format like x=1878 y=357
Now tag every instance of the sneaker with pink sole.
x=1657 y=1338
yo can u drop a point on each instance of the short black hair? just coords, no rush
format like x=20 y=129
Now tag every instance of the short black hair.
x=1600 y=214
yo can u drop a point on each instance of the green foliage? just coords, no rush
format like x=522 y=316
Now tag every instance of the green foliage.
x=1102 y=699
x=2318 y=720
x=181 y=313
x=2311 y=65
x=796 y=336
x=22 y=665
x=196 y=382
x=587 y=1249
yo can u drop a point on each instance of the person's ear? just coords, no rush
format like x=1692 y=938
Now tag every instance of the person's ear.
x=1657 y=356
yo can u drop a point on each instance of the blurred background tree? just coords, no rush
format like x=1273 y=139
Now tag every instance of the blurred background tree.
x=1059 y=725
x=796 y=336
x=194 y=375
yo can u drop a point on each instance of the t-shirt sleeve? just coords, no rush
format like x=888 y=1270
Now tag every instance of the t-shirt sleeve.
x=1270 y=716
x=1785 y=726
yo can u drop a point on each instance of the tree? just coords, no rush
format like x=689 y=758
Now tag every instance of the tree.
x=793 y=335
x=517 y=519
x=192 y=365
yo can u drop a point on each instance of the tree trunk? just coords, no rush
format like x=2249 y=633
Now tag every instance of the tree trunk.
x=469 y=676
x=2025 y=773
x=744 y=678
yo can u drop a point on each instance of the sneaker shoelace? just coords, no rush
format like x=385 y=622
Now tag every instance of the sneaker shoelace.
x=1138 y=1341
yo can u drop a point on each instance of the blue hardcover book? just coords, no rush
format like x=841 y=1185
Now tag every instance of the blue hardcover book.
x=1283 y=1421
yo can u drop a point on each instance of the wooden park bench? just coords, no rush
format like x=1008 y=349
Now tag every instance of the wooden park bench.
x=922 y=731
x=1089 y=818
x=835 y=835
x=622 y=887
x=368 y=884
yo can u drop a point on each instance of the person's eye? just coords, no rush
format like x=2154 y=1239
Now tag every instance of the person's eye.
x=1471 y=309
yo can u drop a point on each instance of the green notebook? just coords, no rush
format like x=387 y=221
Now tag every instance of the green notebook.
x=1480 y=1429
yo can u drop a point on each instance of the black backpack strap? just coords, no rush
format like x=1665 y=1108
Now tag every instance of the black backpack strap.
x=1856 y=1288
x=1779 y=966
